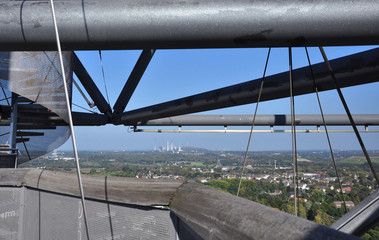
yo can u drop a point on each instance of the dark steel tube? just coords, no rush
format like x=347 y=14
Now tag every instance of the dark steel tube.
x=155 y=24
x=133 y=80
x=350 y=71
x=90 y=86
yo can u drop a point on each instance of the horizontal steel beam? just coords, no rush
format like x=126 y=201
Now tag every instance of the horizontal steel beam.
x=261 y=120
x=79 y=119
x=351 y=70
x=361 y=218
x=248 y=131
x=89 y=119
x=147 y=24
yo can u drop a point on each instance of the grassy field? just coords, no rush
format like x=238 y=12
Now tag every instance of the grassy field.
x=359 y=160
x=199 y=164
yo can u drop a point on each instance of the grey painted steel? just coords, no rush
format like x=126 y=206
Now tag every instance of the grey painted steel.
x=261 y=120
x=90 y=119
x=90 y=86
x=32 y=214
x=148 y=192
x=133 y=80
x=54 y=216
x=215 y=214
x=51 y=207
x=350 y=71
x=11 y=213
x=146 y=24
x=361 y=218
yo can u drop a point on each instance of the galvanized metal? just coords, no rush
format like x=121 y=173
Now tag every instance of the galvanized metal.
x=351 y=70
x=248 y=131
x=147 y=24
x=262 y=120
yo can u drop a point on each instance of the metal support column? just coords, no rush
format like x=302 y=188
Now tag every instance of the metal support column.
x=13 y=132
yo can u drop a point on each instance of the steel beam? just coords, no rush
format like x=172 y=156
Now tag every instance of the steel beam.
x=351 y=70
x=361 y=218
x=79 y=118
x=133 y=80
x=147 y=24
x=89 y=119
x=261 y=120
x=90 y=86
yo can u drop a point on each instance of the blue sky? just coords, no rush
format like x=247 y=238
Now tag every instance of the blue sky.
x=178 y=73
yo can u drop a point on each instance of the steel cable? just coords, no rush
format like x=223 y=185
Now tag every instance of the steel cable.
x=70 y=120
x=326 y=129
x=293 y=132
x=349 y=115
x=253 y=122
x=102 y=70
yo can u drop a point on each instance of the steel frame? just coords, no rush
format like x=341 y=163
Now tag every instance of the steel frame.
x=347 y=71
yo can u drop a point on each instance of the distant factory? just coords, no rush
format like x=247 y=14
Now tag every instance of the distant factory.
x=170 y=147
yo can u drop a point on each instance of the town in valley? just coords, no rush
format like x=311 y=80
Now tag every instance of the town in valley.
x=267 y=179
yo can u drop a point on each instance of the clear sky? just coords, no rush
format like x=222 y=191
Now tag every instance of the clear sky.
x=174 y=74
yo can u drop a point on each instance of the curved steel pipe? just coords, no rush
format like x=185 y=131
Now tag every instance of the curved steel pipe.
x=161 y=24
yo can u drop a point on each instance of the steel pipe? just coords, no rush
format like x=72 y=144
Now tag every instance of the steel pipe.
x=361 y=218
x=261 y=120
x=157 y=24
x=248 y=131
x=350 y=71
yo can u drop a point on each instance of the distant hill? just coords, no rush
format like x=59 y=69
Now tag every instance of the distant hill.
x=195 y=149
